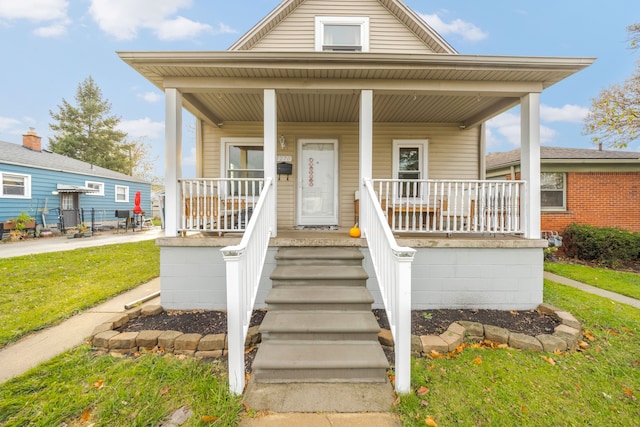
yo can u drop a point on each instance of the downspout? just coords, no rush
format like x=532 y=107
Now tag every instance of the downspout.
x=482 y=161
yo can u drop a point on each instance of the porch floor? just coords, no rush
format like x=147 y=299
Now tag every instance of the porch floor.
x=340 y=237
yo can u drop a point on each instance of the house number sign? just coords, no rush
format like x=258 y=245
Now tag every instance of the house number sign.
x=311 y=161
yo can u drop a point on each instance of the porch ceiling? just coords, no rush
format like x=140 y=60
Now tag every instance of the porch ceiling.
x=320 y=87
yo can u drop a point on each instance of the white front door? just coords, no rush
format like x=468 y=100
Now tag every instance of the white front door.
x=317 y=182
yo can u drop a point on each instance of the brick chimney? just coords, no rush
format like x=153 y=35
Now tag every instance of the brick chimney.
x=32 y=141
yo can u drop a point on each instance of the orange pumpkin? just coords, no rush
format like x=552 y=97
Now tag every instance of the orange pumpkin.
x=355 y=231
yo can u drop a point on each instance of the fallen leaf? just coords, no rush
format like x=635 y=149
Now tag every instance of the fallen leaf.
x=435 y=355
x=246 y=407
x=524 y=409
x=515 y=313
x=424 y=403
x=478 y=360
x=627 y=391
x=627 y=330
x=432 y=367
x=502 y=346
x=430 y=422
x=208 y=419
x=422 y=391
x=98 y=384
x=583 y=345
x=396 y=402
x=549 y=360
x=588 y=335
x=613 y=332
x=165 y=390
x=86 y=415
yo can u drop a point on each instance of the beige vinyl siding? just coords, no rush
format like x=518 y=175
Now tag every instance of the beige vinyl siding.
x=297 y=32
x=452 y=154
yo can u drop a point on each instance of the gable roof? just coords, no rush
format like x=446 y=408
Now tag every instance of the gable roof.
x=16 y=154
x=563 y=155
x=396 y=7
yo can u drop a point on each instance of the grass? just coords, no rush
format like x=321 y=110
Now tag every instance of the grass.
x=41 y=290
x=477 y=387
x=623 y=283
x=81 y=388
x=507 y=387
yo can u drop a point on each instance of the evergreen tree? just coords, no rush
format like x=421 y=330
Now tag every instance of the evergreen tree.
x=88 y=132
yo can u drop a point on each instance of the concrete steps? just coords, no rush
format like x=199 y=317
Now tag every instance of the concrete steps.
x=319 y=326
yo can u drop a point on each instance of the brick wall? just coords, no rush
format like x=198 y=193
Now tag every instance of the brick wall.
x=601 y=199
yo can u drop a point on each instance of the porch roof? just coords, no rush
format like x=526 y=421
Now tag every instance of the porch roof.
x=465 y=90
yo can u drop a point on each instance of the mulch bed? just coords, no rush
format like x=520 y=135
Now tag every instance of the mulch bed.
x=423 y=322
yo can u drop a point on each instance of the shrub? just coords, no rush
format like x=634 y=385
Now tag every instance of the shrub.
x=606 y=245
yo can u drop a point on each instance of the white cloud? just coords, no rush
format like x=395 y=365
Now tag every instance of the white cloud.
x=50 y=11
x=189 y=160
x=8 y=123
x=506 y=126
x=567 y=113
x=34 y=10
x=142 y=128
x=54 y=30
x=123 y=18
x=150 y=97
x=467 y=30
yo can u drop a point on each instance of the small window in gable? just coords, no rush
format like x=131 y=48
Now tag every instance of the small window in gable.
x=342 y=34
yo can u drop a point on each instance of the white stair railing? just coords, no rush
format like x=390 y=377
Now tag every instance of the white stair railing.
x=244 y=263
x=392 y=265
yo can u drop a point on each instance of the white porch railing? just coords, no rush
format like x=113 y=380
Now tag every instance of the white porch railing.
x=452 y=206
x=392 y=265
x=244 y=268
x=218 y=204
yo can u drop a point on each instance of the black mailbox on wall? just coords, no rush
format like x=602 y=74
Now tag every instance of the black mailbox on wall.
x=285 y=168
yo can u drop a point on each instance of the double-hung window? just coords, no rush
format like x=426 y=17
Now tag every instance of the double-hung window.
x=244 y=159
x=342 y=33
x=553 y=191
x=410 y=165
x=122 y=194
x=15 y=186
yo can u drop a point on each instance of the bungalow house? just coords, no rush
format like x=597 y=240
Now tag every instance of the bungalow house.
x=58 y=191
x=576 y=184
x=323 y=114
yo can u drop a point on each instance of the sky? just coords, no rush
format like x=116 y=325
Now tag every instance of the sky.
x=50 y=46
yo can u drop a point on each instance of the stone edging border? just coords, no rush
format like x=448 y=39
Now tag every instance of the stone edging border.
x=105 y=339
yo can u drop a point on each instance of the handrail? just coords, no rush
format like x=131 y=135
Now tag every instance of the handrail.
x=244 y=264
x=392 y=265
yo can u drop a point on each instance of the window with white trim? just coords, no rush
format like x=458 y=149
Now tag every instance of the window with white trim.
x=122 y=194
x=15 y=185
x=342 y=33
x=97 y=186
x=410 y=163
x=553 y=191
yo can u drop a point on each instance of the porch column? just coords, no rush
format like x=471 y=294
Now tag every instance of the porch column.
x=270 y=140
x=366 y=144
x=173 y=160
x=530 y=163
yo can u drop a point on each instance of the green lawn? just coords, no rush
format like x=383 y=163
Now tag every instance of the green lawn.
x=623 y=283
x=507 y=387
x=80 y=388
x=597 y=386
x=37 y=291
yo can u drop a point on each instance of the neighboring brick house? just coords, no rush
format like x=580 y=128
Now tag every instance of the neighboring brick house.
x=584 y=186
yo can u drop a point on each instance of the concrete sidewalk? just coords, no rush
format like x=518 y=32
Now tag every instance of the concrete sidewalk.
x=61 y=243
x=30 y=351
x=592 y=289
